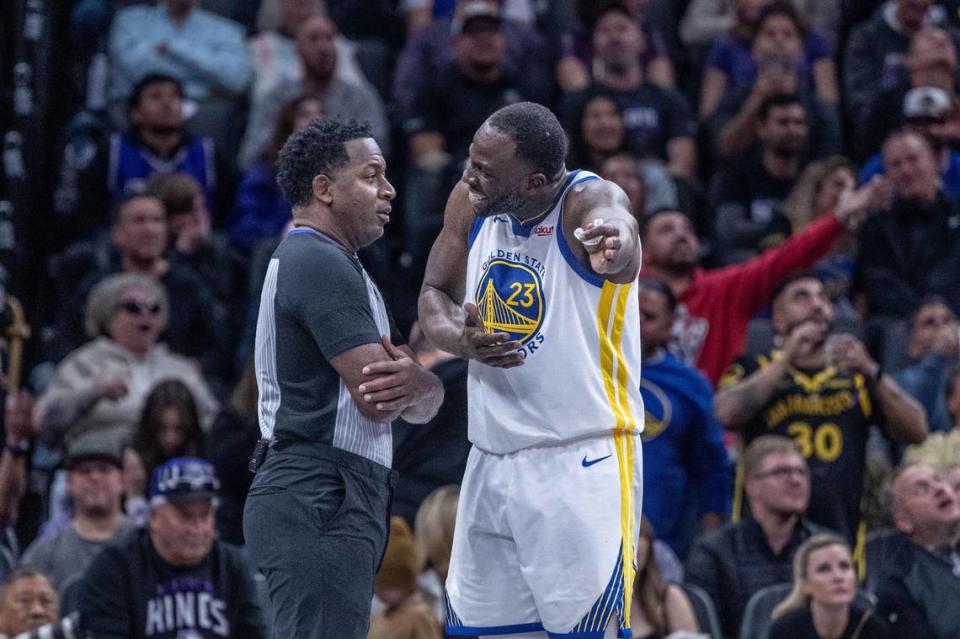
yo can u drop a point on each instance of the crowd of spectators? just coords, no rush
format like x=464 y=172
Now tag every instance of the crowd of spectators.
x=794 y=166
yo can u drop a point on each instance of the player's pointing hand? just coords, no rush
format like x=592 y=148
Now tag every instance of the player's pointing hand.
x=604 y=242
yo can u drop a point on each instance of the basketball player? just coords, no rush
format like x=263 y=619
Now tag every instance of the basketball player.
x=531 y=279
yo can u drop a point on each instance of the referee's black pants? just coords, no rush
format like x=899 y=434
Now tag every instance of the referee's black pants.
x=316 y=525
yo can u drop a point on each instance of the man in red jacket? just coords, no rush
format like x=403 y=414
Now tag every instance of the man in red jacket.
x=716 y=306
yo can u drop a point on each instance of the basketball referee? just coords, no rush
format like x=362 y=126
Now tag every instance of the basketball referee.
x=331 y=377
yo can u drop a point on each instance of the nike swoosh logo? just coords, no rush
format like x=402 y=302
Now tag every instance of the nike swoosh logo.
x=587 y=463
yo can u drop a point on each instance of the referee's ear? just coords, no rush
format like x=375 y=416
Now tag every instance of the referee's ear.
x=323 y=188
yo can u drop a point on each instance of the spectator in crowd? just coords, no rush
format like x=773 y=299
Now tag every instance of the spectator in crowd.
x=817 y=191
x=176 y=37
x=317 y=50
x=577 y=57
x=260 y=210
x=823 y=395
x=156 y=142
x=273 y=50
x=169 y=426
x=912 y=250
x=433 y=48
x=736 y=59
x=428 y=456
x=931 y=63
x=876 y=49
x=658 y=121
x=27 y=601
x=682 y=441
x=732 y=563
x=715 y=306
x=139 y=240
x=599 y=138
x=933 y=351
x=824 y=586
x=930 y=112
x=778 y=52
x=706 y=20
x=235 y=431
x=95 y=486
x=449 y=109
x=942 y=449
x=193 y=241
x=918 y=588
x=102 y=385
x=433 y=537
x=173 y=576
x=657 y=608
x=597 y=131
x=404 y=614
x=749 y=196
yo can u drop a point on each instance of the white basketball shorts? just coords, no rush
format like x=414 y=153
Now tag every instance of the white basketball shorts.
x=545 y=540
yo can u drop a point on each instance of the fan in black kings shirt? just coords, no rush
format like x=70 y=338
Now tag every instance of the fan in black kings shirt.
x=173 y=579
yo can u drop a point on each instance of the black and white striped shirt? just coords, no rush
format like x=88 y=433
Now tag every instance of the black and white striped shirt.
x=317 y=302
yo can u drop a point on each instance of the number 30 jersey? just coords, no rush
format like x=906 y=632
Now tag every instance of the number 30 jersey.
x=828 y=414
x=579 y=335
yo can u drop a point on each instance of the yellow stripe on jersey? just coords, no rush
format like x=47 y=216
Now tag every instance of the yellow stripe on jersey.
x=611 y=352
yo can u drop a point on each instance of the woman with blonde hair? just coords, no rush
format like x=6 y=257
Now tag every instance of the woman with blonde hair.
x=824 y=586
x=659 y=609
x=433 y=540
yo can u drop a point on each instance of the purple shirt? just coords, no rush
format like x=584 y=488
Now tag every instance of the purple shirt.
x=733 y=57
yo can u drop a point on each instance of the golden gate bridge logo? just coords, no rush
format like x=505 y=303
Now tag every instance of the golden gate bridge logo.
x=510 y=300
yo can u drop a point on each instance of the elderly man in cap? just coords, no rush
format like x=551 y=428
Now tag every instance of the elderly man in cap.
x=95 y=486
x=173 y=579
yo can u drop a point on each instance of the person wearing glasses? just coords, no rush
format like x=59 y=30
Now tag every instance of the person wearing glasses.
x=102 y=385
x=138 y=243
x=824 y=390
x=734 y=562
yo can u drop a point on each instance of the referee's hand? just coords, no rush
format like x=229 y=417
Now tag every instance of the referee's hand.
x=397 y=383
x=492 y=349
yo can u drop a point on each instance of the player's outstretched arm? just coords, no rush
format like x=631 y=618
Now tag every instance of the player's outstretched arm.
x=607 y=236
x=448 y=322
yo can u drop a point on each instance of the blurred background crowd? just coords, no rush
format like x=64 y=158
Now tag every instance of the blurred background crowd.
x=795 y=169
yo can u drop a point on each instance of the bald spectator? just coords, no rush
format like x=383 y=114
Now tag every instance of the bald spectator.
x=316 y=48
x=912 y=250
x=918 y=587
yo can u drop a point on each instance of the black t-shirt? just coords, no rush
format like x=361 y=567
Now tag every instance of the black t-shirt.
x=749 y=214
x=323 y=304
x=798 y=624
x=828 y=414
x=455 y=106
x=129 y=592
x=652 y=117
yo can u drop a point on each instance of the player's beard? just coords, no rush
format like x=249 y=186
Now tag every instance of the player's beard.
x=506 y=204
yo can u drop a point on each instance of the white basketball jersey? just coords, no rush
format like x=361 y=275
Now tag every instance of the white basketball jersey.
x=580 y=337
